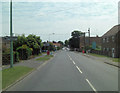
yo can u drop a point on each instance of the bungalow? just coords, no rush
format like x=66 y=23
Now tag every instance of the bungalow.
x=111 y=42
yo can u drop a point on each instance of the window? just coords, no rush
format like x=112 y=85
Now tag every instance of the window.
x=103 y=40
x=103 y=49
x=107 y=49
x=107 y=39
x=113 y=38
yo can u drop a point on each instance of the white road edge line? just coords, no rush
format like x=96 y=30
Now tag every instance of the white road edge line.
x=91 y=85
x=79 y=69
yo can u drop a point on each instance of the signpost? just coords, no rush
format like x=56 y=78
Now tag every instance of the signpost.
x=11 y=35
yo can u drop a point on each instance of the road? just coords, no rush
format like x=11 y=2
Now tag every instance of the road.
x=70 y=71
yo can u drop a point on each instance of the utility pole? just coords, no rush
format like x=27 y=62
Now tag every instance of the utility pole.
x=89 y=35
x=11 y=37
x=84 y=42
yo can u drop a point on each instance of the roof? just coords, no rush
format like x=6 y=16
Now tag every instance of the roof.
x=56 y=44
x=114 y=30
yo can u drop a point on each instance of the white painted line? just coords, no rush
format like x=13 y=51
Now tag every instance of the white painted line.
x=79 y=69
x=73 y=62
x=91 y=85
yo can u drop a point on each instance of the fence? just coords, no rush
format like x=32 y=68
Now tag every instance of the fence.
x=99 y=52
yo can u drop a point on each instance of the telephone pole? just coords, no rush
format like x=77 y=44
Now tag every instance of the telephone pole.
x=89 y=35
x=11 y=37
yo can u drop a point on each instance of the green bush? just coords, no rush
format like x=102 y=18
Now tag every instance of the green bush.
x=16 y=57
x=6 y=58
x=58 y=48
x=24 y=52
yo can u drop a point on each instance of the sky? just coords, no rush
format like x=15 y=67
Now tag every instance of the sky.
x=61 y=18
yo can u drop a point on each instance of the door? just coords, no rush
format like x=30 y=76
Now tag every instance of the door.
x=113 y=52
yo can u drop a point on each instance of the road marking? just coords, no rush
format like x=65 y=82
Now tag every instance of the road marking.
x=71 y=60
x=91 y=85
x=79 y=69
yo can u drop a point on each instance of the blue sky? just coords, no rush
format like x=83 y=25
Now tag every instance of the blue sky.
x=61 y=18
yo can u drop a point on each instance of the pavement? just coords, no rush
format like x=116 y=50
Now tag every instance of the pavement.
x=70 y=71
x=33 y=63
x=103 y=59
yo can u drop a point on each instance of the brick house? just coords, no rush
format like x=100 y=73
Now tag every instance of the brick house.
x=84 y=41
x=111 y=42
x=5 y=42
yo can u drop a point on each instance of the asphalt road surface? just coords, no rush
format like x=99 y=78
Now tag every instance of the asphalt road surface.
x=70 y=71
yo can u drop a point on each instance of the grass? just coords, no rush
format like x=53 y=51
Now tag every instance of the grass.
x=113 y=59
x=97 y=55
x=116 y=59
x=45 y=58
x=10 y=75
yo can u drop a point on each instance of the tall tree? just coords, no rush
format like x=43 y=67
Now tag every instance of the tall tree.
x=66 y=43
x=74 y=41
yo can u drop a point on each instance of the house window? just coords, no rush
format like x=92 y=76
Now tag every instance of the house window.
x=113 y=38
x=103 y=40
x=107 y=39
x=107 y=49
x=103 y=49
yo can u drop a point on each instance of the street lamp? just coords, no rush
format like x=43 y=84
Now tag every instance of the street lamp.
x=11 y=37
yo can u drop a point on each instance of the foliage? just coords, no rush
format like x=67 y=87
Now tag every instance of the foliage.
x=77 y=34
x=24 y=52
x=6 y=58
x=58 y=48
x=60 y=42
x=32 y=41
x=66 y=43
x=74 y=41
x=21 y=40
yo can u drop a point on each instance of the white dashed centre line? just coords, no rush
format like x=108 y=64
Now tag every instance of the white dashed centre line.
x=73 y=62
x=91 y=85
x=79 y=69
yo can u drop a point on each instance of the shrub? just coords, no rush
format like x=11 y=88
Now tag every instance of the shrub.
x=6 y=58
x=24 y=52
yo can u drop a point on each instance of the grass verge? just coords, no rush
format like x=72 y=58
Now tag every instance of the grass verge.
x=11 y=75
x=92 y=54
x=116 y=60
x=113 y=59
x=45 y=58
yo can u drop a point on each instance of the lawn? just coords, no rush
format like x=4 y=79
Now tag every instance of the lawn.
x=11 y=75
x=92 y=54
x=45 y=58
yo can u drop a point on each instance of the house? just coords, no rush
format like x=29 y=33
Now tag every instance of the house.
x=56 y=44
x=6 y=42
x=90 y=41
x=111 y=42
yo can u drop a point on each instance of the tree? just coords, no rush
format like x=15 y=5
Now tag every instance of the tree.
x=21 y=40
x=34 y=42
x=74 y=41
x=66 y=43
x=61 y=43
x=77 y=34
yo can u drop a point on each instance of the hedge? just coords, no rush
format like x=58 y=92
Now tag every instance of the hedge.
x=6 y=58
